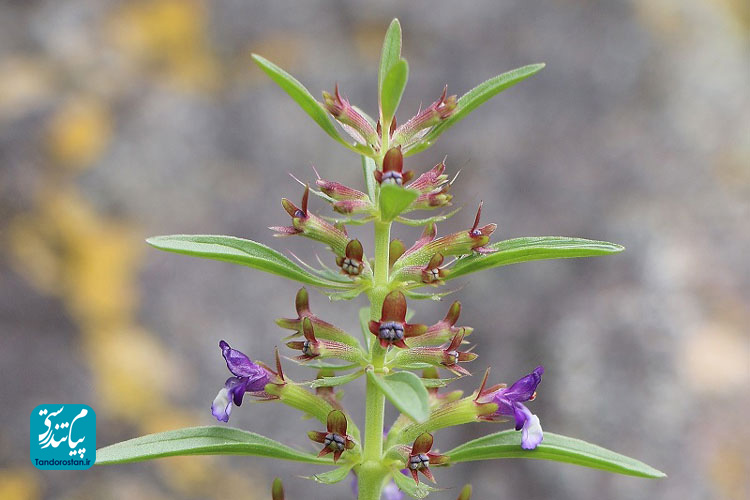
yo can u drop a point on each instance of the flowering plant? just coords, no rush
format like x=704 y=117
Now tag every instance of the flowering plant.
x=400 y=361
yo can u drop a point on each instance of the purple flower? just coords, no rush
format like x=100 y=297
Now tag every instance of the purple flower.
x=509 y=401
x=248 y=377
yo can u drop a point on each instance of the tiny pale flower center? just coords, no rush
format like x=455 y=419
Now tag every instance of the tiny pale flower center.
x=307 y=348
x=391 y=331
x=350 y=266
x=451 y=357
x=299 y=214
x=392 y=177
x=334 y=441
x=417 y=462
x=435 y=274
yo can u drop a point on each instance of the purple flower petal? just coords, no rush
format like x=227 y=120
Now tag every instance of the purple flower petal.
x=532 y=433
x=238 y=363
x=523 y=388
x=222 y=405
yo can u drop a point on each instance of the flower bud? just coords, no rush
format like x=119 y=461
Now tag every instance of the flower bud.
x=323 y=329
x=350 y=119
x=461 y=243
x=411 y=132
x=311 y=226
x=393 y=166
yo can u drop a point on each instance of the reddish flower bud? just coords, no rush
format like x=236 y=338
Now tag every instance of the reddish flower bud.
x=430 y=180
x=336 y=440
x=323 y=329
x=392 y=328
x=350 y=119
x=461 y=243
x=311 y=226
x=442 y=331
x=393 y=166
x=411 y=132
x=447 y=356
x=351 y=264
x=312 y=347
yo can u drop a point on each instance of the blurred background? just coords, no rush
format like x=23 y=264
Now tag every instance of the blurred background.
x=124 y=119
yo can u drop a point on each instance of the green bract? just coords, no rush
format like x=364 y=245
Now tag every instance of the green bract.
x=388 y=274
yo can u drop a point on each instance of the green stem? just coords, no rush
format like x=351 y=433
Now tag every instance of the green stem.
x=372 y=472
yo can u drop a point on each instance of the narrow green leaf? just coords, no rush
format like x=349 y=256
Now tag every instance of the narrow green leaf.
x=406 y=392
x=394 y=200
x=474 y=98
x=393 y=88
x=527 y=249
x=334 y=381
x=306 y=101
x=408 y=486
x=201 y=441
x=332 y=476
x=391 y=52
x=240 y=251
x=368 y=169
x=507 y=444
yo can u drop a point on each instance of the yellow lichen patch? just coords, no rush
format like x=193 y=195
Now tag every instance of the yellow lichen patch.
x=91 y=262
x=168 y=36
x=79 y=132
x=19 y=484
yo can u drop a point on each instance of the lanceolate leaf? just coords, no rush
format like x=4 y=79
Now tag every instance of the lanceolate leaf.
x=507 y=444
x=332 y=476
x=406 y=391
x=394 y=200
x=474 y=98
x=390 y=54
x=201 y=441
x=393 y=88
x=532 y=248
x=240 y=251
x=306 y=101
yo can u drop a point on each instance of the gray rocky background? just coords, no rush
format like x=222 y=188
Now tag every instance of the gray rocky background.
x=124 y=119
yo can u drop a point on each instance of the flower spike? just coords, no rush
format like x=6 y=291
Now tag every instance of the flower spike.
x=336 y=440
x=392 y=328
x=420 y=457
